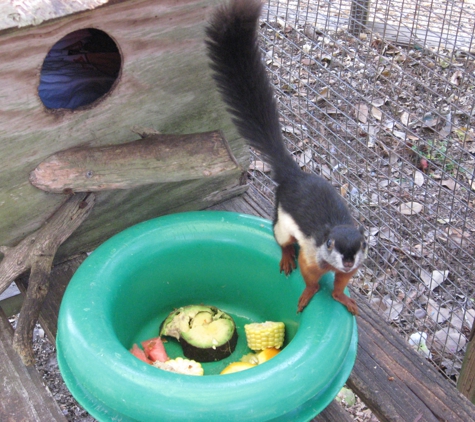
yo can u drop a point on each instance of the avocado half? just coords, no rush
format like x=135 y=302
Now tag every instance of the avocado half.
x=205 y=333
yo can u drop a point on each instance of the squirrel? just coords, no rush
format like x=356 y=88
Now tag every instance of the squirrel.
x=308 y=211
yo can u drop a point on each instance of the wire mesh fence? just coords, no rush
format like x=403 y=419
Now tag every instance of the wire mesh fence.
x=378 y=97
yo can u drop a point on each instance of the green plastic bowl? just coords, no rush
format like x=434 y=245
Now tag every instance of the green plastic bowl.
x=125 y=288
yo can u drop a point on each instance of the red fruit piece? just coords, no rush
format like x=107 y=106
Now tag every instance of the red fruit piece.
x=139 y=353
x=155 y=350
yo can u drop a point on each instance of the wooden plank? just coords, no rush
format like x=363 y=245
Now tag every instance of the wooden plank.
x=466 y=381
x=334 y=412
x=164 y=84
x=252 y=202
x=33 y=12
x=395 y=382
x=408 y=37
x=24 y=396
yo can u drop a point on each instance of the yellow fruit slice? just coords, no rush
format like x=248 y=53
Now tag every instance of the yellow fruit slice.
x=267 y=354
x=236 y=367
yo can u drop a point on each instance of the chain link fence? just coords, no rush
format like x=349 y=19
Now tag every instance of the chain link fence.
x=379 y=99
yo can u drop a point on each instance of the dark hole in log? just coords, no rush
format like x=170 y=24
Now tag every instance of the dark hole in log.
x=79 y=69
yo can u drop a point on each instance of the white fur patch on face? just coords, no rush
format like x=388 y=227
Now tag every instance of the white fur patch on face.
x=286 y=228
x=331 y=257
x=335 y=259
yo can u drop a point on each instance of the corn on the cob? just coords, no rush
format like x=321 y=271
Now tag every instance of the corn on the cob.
x=265 y=334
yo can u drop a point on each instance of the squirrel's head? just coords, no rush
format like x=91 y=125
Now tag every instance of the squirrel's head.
x=344 y=248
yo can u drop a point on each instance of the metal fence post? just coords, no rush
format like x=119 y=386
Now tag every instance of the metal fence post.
x=358 y=16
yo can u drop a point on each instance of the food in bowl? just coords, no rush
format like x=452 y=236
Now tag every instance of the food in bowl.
x=154 y=353
x=205 y=333
x=261 y=335
x=180 y=366
x=155 y=350
x=250 y=361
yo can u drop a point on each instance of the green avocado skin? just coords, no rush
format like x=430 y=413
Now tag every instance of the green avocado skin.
x=209 y=354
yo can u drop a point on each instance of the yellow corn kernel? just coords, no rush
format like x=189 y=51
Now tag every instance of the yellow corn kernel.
x=261 y=335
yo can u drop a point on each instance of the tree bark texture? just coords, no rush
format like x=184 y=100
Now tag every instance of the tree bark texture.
x=466 y=381
x=154 y=159
x=36 y=252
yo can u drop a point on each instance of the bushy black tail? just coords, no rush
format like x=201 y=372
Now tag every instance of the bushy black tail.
x=242 y=80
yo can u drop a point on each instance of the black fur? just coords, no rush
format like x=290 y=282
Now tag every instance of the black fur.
x=313 y=203
x=242 y=80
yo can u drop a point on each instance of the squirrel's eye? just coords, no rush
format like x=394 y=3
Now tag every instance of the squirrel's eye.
x=329 y=243
x=364 y=245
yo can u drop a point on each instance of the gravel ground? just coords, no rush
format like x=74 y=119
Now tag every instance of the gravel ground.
x=47 y=366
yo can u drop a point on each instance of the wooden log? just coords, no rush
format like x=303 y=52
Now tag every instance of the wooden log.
x=154 y=159
x=334 y=412
x=36 y=252
x=59 y=278
x=466 y=381
x=56 y=230
x=30 y=310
